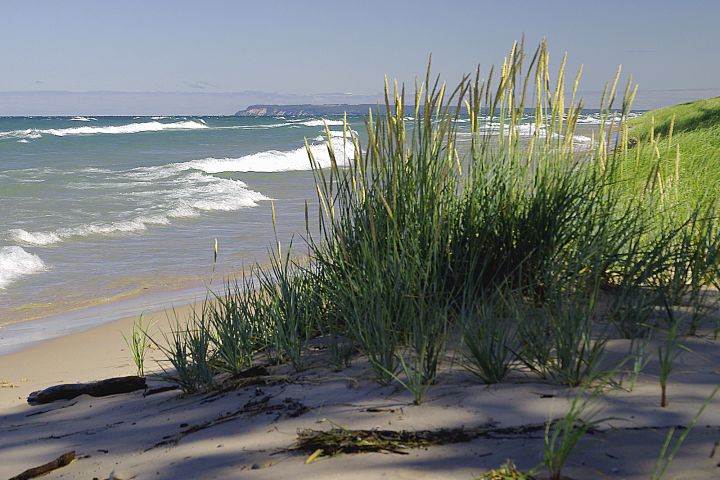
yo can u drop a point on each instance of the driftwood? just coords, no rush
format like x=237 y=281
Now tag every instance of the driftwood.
x=155 y=391
x=59 y=462
x=101 y=388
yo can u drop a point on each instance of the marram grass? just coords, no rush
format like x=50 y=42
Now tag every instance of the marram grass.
x=418 y=231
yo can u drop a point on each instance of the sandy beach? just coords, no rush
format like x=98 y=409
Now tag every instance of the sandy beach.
x=246 y=432
x=315 y=240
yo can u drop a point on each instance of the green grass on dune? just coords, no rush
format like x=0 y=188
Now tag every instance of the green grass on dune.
x=678 y=149
x=509 y=247
x=525 y=258
x=689 y=117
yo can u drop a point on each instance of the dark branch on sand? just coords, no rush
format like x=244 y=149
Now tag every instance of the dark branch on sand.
x=101 y=388
x=59 y=462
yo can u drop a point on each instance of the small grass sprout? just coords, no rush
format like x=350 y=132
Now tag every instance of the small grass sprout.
x=562 y=435
x=667 y=455
x=138 y=344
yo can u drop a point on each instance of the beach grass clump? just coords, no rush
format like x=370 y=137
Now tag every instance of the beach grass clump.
x=293 y=307
x=577 y=352
x=188 y=349
x=693 y=266
x=238 y=326
x=489 y=336
x=508 y=237
x=411 y=222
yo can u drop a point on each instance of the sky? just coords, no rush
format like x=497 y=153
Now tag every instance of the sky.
x=218 y=56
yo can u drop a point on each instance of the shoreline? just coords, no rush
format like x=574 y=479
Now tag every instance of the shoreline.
x=21 y=335
x=93 y=353
x=231 y=435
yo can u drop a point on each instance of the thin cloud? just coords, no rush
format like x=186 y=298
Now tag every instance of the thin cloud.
x=199 y=85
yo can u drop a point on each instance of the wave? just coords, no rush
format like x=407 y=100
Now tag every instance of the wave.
x=335 y=134
x=139 y=127
x=529 y=130
x=176 y=195
x=50 y=238
x=254 y=127
x=16 y=262
x=83 y=119
x=595 y=118
x=276 y=161
x=319 y=123
x=34 y=238
x=522 y=130
x=290 y=123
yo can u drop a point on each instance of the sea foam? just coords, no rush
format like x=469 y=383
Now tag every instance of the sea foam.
x=139 y=127
x=335 y=134
x=320 y=123
x=276 y=161
x=16 y=262
x=183 y=196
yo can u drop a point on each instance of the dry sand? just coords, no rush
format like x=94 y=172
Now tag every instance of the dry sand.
x=244 y=433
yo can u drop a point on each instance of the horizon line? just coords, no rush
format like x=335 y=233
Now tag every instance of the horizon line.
x=264 y=92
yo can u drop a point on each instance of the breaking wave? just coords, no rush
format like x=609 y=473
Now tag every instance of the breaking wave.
x=276 y=161
x=139 y=127
x=179 y=195
x=16 y=262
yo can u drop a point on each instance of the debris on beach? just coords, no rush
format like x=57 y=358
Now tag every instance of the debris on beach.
x=101 y=388
x=327 y=443
x=61 y=461
x=507 y=471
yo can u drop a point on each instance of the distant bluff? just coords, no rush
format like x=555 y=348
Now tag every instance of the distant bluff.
x=304 y=110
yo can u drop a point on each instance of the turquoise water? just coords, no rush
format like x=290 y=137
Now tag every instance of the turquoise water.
x=98 y=210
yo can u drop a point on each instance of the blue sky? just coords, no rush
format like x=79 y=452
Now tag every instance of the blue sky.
x=218 y=56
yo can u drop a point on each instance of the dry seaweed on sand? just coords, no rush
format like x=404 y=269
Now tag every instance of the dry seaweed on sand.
x=508 y=471
x=339 y=440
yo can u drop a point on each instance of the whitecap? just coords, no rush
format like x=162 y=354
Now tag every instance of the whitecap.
x=320 y=123
x=590 y=119
x=16 y=262
x=335 y=134
x=34 y=238
x=139 y=127
x=129 y=128
x=48 y=238
x=185 y=194
x=276 y=161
